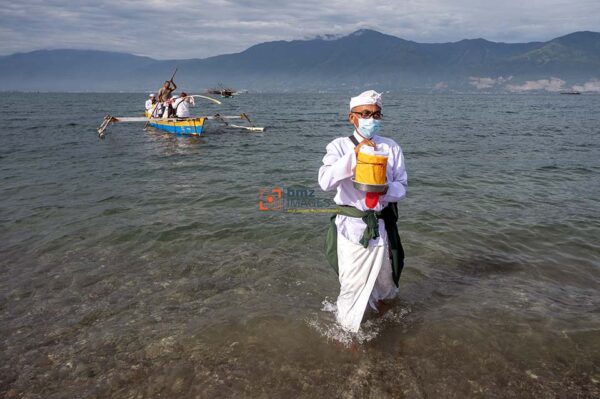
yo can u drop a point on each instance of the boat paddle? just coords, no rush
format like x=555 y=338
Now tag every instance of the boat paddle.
x=173 y=76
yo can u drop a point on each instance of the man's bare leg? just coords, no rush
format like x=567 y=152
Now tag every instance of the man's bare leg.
x=383 y=307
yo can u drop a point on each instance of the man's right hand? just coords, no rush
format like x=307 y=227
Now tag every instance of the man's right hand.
x=368 y=142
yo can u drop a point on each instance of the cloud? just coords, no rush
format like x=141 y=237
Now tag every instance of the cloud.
x=188 y=28
x=552 y=84
x=441 y=86
x=487 y=83
x=482 y=83
x=589 y=86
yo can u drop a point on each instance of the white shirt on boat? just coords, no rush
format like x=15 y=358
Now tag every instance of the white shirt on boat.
x=337 y=171
x=149 y=105
x=182 y=106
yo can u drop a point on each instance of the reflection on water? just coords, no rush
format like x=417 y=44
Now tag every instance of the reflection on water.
x=140 y=265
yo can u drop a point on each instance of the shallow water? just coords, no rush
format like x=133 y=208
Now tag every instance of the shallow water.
x=141 y=265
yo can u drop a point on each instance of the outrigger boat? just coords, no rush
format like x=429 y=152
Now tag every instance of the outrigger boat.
x=225 y=92
x=181 y=126
x=192 y=126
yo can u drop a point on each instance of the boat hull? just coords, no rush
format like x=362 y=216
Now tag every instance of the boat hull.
x=184 y=127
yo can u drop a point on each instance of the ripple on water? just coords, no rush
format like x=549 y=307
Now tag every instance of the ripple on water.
x=328 y=327
x=142 y=261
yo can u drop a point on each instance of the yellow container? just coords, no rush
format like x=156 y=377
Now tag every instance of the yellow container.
x=370 y=169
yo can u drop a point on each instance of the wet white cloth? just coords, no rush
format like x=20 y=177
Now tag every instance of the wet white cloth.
x=368 y=97
x=182 y=106
x=365 y=274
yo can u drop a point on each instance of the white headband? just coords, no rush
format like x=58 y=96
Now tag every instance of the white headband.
x=368 y=97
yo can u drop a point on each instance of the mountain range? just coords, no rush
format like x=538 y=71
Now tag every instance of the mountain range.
x=365 y=58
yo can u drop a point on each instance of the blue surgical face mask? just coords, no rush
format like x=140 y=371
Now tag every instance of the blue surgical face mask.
x=368 y=127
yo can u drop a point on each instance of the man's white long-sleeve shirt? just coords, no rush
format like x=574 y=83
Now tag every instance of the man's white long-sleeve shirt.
x=337 y=172
x=182 y=106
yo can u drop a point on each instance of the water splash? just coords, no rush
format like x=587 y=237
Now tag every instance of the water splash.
x=329 y=328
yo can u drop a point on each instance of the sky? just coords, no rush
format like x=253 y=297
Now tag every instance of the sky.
x=178 y=29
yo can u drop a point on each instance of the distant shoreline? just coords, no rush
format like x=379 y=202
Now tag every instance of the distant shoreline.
x=403 y=91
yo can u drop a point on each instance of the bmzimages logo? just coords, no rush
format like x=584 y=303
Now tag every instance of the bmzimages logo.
x=270 y=199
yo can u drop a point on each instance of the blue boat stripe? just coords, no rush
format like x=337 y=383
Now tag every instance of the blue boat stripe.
x=195 y=129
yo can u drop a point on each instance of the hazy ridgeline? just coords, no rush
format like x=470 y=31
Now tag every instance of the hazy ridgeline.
x=362 y=58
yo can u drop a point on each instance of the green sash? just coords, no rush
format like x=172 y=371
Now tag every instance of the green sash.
x=389 y=214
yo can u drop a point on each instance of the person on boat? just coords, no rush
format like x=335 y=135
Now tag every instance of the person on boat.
x=158 y=110
x=166 y=91
x=164 y=95
x=150 y=103
x=182 y=105
x=363 y=245
x=170 y=107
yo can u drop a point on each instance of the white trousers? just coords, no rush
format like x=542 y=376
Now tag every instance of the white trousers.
x=365 y=276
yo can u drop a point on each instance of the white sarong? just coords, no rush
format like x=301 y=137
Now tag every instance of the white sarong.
x=365 y=276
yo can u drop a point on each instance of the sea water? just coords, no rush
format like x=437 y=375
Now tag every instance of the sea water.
x=142 y=265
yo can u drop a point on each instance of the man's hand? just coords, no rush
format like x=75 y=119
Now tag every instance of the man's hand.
x=368 y=142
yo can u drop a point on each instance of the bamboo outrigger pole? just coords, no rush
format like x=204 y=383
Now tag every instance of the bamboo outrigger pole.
x=206 y=98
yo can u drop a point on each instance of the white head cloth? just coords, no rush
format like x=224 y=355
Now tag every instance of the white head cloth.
x=152 y=95
x=368 y=97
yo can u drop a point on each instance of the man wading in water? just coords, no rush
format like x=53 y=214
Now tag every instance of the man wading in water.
x=363 y=245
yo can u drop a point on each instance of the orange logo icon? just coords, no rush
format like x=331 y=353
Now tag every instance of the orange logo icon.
x=270 y=199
